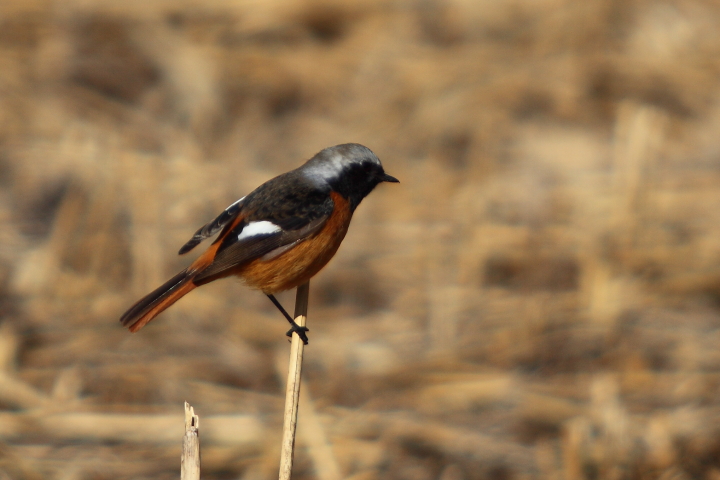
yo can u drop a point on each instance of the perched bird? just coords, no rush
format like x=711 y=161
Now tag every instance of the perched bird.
x=280 y=235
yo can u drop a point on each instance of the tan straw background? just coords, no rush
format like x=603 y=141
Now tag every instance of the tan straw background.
x=538 y=299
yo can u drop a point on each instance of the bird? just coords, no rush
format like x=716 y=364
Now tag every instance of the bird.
x=278 y=236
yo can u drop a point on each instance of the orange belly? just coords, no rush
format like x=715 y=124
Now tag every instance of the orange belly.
x=302 y=262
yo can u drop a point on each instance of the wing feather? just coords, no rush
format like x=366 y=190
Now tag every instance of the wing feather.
x=281 y=213
x=268 y=246
x=211 y=228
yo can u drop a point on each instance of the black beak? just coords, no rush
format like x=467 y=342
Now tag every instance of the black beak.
x=388 y=178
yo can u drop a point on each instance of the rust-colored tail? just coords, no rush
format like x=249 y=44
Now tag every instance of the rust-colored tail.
x=152 y=304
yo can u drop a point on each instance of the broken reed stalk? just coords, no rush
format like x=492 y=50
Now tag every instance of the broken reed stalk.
x=292 y=392
x=190 y=460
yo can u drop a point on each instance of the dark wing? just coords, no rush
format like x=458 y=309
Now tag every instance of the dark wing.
x=266 y=246
x=275 y=221
x=210 y=229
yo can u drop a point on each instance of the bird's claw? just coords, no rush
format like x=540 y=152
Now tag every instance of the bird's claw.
x=300 y=331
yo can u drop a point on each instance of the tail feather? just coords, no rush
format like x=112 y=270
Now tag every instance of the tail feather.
x=152 y=304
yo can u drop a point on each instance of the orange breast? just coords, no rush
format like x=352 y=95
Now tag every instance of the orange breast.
x=302 y=262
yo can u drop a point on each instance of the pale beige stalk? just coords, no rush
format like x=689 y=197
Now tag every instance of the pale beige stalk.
x=292 y=392
x=190 y=460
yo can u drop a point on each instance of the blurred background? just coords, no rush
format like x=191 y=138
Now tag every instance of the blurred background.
x=538 y=299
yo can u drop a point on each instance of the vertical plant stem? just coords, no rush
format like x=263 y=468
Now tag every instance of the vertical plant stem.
x=292 y=392
x=190 y=460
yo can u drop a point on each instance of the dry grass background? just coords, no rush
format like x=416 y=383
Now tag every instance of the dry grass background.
x=538 y=298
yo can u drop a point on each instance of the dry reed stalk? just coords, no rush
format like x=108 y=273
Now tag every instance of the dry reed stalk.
x=240 y=431
x=639 y=133
x=313 y=435
x=292 y=392
x=17 y=393
x=457 y=442
x=190 y=460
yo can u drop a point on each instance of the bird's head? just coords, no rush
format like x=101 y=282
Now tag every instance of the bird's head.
x=350 y=169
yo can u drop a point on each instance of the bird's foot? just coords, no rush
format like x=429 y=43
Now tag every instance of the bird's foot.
x=300 y=331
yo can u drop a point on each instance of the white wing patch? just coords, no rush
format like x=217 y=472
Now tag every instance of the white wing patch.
x=253 y=229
